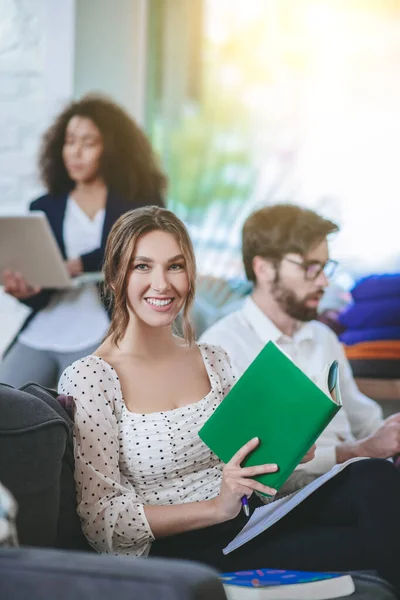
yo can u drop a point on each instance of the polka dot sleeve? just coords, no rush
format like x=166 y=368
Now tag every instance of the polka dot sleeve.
x=112 y=513
x=223 y=368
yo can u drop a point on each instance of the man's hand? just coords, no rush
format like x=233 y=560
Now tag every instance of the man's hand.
x=309 y=456
x=384 y=443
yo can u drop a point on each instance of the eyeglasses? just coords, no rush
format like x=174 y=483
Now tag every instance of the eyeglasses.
x=314 y=268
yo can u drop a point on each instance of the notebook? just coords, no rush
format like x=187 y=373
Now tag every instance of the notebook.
x=277 y=402
x=28 y=245
x=273 y=584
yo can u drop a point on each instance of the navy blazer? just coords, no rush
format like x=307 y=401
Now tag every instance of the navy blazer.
x=54 y=207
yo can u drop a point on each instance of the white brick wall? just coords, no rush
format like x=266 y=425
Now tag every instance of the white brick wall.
x=36 y=58
x=22 y=60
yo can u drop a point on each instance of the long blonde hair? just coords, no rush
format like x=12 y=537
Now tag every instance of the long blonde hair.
x=120 y=246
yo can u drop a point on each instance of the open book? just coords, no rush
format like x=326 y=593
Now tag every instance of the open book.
x=265 y=516
x=273 y=584
x=28 y=245
x=277 y=402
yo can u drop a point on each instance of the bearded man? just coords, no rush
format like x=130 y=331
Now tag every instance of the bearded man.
x=286 y=256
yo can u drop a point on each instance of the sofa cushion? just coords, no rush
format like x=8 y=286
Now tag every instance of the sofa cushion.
x=37 y=466
x=383 y=285
x=371 y=314
x=69 y=532
x=33 y=438
x=47 y=574
x=357 y=336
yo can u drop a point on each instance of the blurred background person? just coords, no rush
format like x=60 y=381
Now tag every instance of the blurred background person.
x=96 y=164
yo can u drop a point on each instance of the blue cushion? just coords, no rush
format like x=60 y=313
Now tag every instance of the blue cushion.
x=377 y=286
x=353 y=336
x=378 y=312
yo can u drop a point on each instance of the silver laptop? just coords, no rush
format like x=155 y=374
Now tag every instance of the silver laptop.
x=28 y=245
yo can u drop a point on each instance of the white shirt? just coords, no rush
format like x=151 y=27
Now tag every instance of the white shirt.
x=73 y=319
x=245 y=332
x=125 y=460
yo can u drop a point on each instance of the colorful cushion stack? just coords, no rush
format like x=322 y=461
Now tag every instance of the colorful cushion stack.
x=372 y=336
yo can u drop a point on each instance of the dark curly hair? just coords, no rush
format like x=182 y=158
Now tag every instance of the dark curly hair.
x=128 y=164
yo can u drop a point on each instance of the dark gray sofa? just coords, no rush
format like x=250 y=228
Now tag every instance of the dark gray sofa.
x=36 y=465
x=40 y=574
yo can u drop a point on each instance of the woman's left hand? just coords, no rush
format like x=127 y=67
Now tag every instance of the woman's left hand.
x=74 y=267
x=309 y=456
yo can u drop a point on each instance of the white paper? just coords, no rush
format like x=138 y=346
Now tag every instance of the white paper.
x=87 y=279
x=325 y=589
x=269 y=514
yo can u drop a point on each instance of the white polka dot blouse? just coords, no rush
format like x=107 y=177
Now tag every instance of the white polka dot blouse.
x=125 y=460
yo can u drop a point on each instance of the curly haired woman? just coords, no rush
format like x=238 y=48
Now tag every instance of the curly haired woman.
x=96 y=165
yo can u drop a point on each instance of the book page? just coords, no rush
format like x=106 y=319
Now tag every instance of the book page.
x=266 y=516
x=322 y=383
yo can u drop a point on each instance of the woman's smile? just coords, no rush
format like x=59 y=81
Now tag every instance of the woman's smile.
x=159 y=304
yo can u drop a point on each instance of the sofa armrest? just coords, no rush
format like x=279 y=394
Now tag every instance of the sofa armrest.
x=41 y=574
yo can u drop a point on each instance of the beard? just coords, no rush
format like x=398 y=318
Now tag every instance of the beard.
x=292 y=306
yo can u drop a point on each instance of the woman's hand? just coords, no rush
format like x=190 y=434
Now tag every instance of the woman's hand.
x=309 y=456
x=236 y=482
x=17 y=286
x=74 y=267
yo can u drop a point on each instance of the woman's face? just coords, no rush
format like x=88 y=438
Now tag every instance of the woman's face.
x=82 y=150
x=158 y=283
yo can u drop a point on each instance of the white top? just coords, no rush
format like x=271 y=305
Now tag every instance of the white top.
x=73 y=319
x=245 y=332
x=124 y=460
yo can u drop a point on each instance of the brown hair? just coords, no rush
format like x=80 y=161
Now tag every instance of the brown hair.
x=120 y=246
x=274 y=231
x=128 y=165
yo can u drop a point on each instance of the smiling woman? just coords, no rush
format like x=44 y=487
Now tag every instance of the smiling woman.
x=149 y=264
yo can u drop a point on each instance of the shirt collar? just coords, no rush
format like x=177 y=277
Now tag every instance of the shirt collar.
x=267 y=330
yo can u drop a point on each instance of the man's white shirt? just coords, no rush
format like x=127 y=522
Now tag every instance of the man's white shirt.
x=243 y=334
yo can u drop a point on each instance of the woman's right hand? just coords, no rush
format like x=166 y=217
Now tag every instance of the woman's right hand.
x=17 y=286
x=236 y=482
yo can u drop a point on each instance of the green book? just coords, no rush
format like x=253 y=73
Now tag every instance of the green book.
x=277 y=402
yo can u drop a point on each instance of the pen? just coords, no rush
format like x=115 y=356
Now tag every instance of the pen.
x=245 y=506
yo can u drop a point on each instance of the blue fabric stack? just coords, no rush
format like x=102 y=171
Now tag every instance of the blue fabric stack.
x=372 y=327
